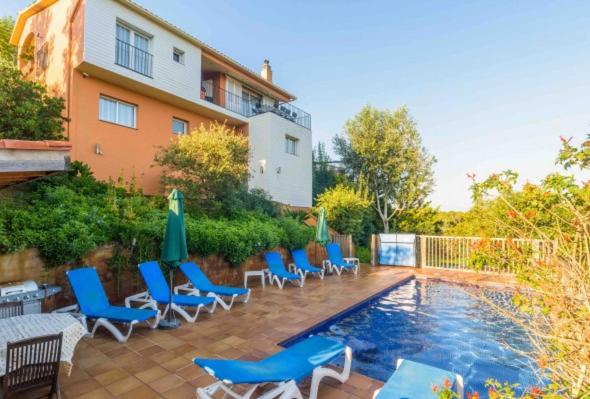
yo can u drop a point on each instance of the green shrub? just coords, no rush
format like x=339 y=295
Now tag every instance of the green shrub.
x=295 y=234
x=346 y=209
x=67 y=216
x=364 y=254
x=28 y=112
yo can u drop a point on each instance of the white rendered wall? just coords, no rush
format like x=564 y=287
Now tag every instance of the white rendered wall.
x=286 y=177
x=182 y=80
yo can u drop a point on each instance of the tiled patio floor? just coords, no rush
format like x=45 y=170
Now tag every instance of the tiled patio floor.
x=157 y=364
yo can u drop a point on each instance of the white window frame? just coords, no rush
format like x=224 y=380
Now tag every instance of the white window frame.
x=185 y=124
x=180 y=55
x=291 y=145
x=117 y=102
x=131 y=59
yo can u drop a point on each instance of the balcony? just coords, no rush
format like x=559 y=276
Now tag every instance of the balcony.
x=134 y=58
x=248 y=108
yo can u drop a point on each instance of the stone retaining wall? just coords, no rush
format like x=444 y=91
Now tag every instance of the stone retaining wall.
x=28 y=265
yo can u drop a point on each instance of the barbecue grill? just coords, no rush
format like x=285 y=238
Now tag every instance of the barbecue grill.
x=27 y=292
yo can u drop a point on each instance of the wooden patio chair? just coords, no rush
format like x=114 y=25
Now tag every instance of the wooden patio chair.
x=11 y=309
x=32 y=364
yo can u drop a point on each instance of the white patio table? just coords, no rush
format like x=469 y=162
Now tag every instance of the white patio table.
x=34 y=325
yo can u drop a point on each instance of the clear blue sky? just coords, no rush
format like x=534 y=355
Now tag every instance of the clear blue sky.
x=491 y=84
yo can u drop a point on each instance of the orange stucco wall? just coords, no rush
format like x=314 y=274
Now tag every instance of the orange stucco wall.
x=125 y=151
x=60 y=28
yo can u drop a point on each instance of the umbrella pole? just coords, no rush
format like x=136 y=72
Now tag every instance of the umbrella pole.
x=170 y=311
x=171 y=322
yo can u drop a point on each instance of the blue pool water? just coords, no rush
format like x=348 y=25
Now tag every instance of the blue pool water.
x=438 y=323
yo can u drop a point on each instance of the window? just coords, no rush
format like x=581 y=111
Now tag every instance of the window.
x=179 y=126
x=291 y=145
x=119 y=112
x=178 y=55
x=133 y=50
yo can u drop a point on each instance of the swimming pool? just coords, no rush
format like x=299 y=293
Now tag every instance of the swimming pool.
x=437 y=323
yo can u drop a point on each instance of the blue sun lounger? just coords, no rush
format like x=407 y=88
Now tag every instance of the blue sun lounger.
x=301 y=262
x=277 y=272
x=283 y=369
x=336 y=262
x=94 y=304
x=199 y=282
x=158 y=293
x=412 y=380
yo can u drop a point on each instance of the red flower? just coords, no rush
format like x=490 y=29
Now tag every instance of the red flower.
x=512 y=214
x=447 y=383
x=473 y=395
x=434 y=388
x=536 y=391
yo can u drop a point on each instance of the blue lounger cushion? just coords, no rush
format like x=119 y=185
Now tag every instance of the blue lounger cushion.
x=302 y=262
x=277 y=267
x=125 y=315
x=93 y=301
x=201 y=282
x=414 y=380
x=160 y=290
x=293 y=363
x=335 y=256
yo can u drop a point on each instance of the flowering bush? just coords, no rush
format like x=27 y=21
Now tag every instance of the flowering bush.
x=498 y=390
x=445 y=391
x=557 y=302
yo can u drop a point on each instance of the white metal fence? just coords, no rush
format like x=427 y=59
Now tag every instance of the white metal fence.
x=482 y=254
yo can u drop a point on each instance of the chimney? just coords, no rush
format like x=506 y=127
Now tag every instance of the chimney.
x=266 y=71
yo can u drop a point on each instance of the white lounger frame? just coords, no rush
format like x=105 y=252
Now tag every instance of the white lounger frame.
x=148 y=302
x=460 y=389
x=106 y=323
x=189 y=289
x=283 y=390
x=326 y=264
x=281 y=281
x=294 y=269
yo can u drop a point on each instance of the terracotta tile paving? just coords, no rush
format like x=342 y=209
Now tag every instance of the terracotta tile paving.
x=158 y=364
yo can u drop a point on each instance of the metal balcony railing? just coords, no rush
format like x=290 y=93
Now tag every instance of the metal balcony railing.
x=248 y=108
x=133 y=58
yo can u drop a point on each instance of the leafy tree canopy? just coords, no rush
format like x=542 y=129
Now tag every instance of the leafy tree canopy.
x=7 y=50
x=324 y=175
x=345 y=208
x=383 y=154
x=209 y=165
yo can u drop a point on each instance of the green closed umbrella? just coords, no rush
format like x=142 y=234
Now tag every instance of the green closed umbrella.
x=174 y=248
x=321 y=230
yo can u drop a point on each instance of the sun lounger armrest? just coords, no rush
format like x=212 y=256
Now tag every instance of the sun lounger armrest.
x=142 y=297
x=74 y=310
x=68 y=309
x=186 y=289
x=352 y=260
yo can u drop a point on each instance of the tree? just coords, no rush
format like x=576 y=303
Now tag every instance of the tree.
x=209 y=165
x=7 y=50
x=423 y=220
x=345 y=208
x=28 y=112
x=324 y=175
x=384 y=156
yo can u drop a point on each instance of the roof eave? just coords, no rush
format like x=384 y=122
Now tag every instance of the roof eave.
x=40 y=5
